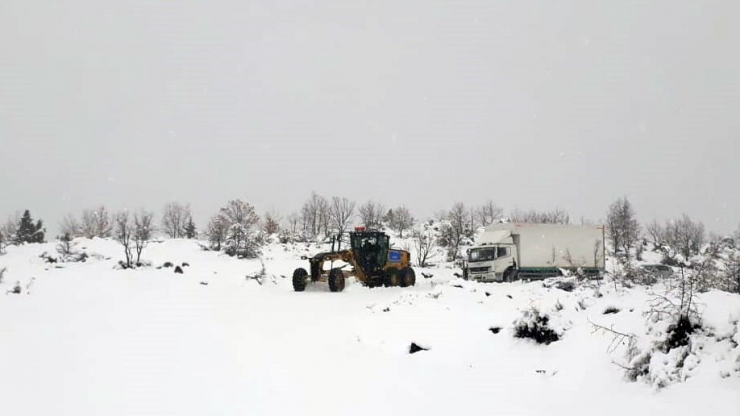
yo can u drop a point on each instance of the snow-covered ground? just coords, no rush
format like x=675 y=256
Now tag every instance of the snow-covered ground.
x=90 y=339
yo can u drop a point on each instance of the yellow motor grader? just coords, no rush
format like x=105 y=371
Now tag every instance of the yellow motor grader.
x=370 y=258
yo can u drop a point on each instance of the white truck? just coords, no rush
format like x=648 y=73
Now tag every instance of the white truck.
x=510 y=251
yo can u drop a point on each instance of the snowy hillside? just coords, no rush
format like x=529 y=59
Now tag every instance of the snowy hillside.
x=91 y=339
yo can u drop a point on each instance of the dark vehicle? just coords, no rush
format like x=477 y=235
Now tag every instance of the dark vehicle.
x=657 y=271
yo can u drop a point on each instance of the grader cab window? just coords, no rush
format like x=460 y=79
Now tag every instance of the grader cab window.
x=371 y=249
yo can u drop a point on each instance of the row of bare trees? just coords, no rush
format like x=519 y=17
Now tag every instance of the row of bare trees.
x=684 y=235
x=321 y=217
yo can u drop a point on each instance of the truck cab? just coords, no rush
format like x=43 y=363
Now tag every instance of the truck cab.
x=490 y=262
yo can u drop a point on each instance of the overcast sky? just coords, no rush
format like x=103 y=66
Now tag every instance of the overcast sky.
x=533 y=104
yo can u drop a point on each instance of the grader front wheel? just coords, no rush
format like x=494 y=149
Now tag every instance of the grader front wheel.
x=336 y=280
x=299 y=279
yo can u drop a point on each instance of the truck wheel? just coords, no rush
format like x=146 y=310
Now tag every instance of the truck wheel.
x=299 y=279
x=336 y=280
x=510 y=275
x=393 y=278
x=408 y=277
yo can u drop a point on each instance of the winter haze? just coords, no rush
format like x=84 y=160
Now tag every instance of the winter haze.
x=538 y=104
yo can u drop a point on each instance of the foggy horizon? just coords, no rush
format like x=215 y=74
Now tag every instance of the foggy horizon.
x=423 y=104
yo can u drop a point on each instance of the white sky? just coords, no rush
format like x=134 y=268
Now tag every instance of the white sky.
x=532 y=104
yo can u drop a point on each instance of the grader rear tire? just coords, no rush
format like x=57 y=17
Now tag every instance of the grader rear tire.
x=299 y=279
x=393 y=278
x=336 y=280
x=408 y=277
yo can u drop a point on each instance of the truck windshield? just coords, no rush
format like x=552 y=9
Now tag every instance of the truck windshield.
x=482 y=254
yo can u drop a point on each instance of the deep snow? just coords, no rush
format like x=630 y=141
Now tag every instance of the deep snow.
x=89 y=339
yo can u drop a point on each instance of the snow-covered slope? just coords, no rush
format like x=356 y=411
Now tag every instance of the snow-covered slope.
x=89 y=339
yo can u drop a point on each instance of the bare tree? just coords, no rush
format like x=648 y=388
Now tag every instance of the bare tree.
x=688 y=236
x=190 y=230
x=271 y=222
x=315 y=215
x=655 y=233
x=425 y=244
x=241 y=221
x=143 y=230
x=10 y=228
x=371 y=214
x=96 y=223
x=456 y=228
x=401 y=220
x=684 y=235
x=623 y=230
x=294 y=220
x=488 y=213
x=216 y=232
x=175 y=217
x=342 y=211
x=70 y=226
x=324 y=210
x=731 y=273
x=124 y=234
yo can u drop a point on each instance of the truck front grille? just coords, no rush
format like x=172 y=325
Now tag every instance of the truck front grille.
x=479 y=269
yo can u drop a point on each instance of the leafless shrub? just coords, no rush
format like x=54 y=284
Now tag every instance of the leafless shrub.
x=679 y=301
x=535 y=325
x=635 y=367
x=66 y=245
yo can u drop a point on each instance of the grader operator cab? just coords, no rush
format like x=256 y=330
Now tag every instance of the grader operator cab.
x=370 y=258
